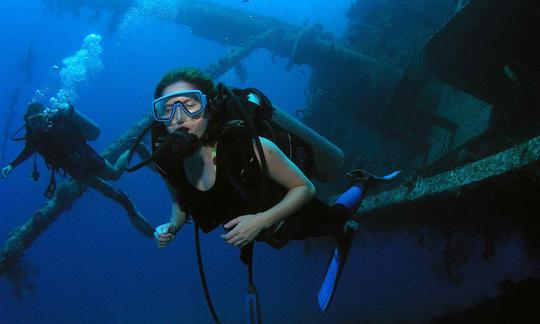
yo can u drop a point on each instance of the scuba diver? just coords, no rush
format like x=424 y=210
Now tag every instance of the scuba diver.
x=60 y=137
x=220 y=172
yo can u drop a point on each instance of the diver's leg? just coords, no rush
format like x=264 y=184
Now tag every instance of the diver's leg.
x=320 y=219
x=138 y=221
x=121 y=163
x=144 y=154
x=111 y=172
x=143 y=151
x=316 y=219
x=103 y=187
x=352 y=198
x=360 y=182
x=348 y=203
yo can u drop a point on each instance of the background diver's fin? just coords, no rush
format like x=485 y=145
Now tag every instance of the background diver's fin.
x=334 y=270
x=141 y=224
x=136 y=218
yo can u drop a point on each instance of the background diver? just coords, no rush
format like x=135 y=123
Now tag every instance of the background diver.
x=60 y=136
x=211 y=182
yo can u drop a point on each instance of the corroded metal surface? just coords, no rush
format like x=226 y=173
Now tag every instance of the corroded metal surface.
x=452 y=182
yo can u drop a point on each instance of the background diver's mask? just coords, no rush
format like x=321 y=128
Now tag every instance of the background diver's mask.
x=192 y=103
x=41 y=121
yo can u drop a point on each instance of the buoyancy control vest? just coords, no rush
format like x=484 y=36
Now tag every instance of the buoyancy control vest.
x=235 y=139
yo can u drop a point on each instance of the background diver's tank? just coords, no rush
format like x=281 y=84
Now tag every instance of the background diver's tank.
x=88 y=127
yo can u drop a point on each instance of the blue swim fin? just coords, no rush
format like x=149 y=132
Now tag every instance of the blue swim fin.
x=253 y=306
x=334 y=270
x=341 y=251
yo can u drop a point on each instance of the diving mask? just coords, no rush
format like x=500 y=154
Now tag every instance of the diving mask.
x=43 y=120
x=190 y=102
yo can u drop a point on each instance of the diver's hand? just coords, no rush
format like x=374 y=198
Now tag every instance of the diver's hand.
x=244 y=229
x=164 y=234
x=7 y=170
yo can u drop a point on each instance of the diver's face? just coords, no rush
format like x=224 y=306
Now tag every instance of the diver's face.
x=196 y=125
x=38 y=121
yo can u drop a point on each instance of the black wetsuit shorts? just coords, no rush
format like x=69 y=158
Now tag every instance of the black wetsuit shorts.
x=84 y=163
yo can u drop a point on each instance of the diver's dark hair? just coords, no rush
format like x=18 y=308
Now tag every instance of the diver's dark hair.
x=194 y=76
x=202 y=81
x=33 y=108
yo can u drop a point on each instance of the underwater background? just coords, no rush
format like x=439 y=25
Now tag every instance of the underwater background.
x=91 y=266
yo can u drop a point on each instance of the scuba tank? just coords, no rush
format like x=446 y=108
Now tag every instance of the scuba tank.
x=273 y=123
x=327 y=157
x=88 y=128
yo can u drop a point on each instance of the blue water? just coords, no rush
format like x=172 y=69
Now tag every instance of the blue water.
x=90 y=266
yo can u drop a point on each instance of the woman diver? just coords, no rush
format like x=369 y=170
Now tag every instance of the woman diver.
x=218 y=175
x=201 y=184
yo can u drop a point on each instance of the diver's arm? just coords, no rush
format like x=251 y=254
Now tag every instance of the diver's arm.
x=23 y=156
x=178 y=216
x=90 y=131
x=165 y=233
x=286 y=173
x=245 y=228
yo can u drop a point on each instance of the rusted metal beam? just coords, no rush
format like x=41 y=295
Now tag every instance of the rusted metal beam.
x=234 y=27
x=503 y=172
x=236 y=56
